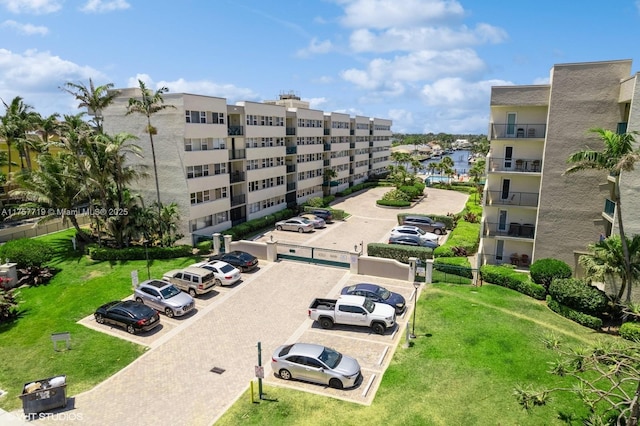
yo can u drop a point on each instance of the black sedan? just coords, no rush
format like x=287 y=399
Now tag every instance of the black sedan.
x=240 y=259
x=131 y=315
x=377 y=294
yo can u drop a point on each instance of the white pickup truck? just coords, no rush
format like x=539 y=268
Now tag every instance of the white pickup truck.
x=353 y=310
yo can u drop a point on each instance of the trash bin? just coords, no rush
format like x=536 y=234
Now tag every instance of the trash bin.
x=43 y=395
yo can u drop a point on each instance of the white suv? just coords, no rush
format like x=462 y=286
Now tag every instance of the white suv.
x=414 y=230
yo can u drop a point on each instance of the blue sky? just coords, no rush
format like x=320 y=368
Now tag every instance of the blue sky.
x=426 y=64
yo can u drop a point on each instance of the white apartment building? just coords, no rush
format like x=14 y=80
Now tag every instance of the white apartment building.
x=227 y=164
x=531 y=209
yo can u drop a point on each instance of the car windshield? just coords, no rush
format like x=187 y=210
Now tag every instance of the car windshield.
x=383 y=293
x=369 y=305
x=421 y=231
x=169 y=292
x=226 y=268
x=305 y=220
x=330 y=357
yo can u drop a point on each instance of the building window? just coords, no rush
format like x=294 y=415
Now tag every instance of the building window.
x=197 y=171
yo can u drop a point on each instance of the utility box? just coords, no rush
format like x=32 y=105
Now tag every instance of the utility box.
x=43 y=395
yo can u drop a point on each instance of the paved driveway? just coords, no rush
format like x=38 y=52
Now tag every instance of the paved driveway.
x=172 y=383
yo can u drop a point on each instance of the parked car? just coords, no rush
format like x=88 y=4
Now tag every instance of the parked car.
x=131 y=315
x=323 y=213
x=353 y=310
x=224 y=273
x=317 y=364
x=317 y=221
x=164 y=297
x=240 y=259
x=195 y=281
x=299 y=224
x=426 y=224
x=377 y=294
x=412 y=240
x=414 y=230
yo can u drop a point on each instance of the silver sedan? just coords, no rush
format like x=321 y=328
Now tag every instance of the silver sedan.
x=317 y=364
x=299 y=224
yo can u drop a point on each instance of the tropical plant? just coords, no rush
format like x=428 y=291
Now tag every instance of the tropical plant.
x=618 y=155
x=94 y=99
x=16 y=126
x=606 y=262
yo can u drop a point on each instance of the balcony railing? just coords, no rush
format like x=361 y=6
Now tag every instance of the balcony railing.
x=236 y=200
x=352 y=145
x=291 y=186
x=236 y=130
x=515 y=165
x=514 y=131
x=529 y=199
x=513 y=229
x=292 y=150
x=291 y=168
x=327 y=147
x=326 y=163
x=237 y=176
x=520 y=261
x=237 y=154
x=291 y=131
x=609 y=207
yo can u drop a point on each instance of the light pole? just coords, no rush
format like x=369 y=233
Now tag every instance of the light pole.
x=416 y=286
x=146 y=254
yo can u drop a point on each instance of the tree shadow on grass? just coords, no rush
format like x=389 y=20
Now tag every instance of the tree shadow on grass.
x=63 y=250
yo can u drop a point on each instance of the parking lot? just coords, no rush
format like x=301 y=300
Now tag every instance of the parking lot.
x=198 y=365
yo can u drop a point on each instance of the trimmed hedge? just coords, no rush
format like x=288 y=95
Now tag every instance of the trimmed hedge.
x=630 y=331
x=238 y=232
x=579 y=295
x=466 y=236
x=506 y=276
x=398 y=252
x=543 y=271
x=27 y=252
x=573 y=315
x=139 y=253
x=454 y=265
x=205 y=246
x=393 y=203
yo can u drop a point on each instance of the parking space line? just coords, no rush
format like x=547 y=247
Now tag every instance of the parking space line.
x=354 y=338
x=384 y=353
x=366 y=390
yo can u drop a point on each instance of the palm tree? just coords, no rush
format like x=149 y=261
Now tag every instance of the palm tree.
x=18 y=120
x=94 y=99
x=149 y=104
x=617 y=156
x=606 y=261
x=48 y=127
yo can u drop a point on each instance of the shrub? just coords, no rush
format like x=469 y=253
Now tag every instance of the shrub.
x=139 y=253
x=573 y=315
x=454 y=265
x=204 y=246
x=579 y=295
x=543 y=271
x=315 y=202
x=398 y=252
x=396 y=195
x=630 y=331
x=466 y=237
x=411 y=191
x=27 y=252
x=393 y=203
x=506 y=276
x=8 y=305
x=255 y=225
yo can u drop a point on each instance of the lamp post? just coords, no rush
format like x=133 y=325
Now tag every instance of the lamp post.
x=146 y=254
x=416 y=286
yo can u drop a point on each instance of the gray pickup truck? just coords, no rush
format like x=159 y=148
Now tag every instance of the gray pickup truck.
x=353 y=310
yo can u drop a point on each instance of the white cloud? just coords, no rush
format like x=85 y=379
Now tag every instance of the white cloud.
x=38 y=7
x=203 y=87
x=421 y=38
x=315 y=47
x=316 y=103
x=104 y=6
x=27 y=29
x=417 y=66
x=388 y=13
x=458 y=93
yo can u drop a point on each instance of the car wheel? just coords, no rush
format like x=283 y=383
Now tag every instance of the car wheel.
x=284 y=374
x=218 y=282
x=326 y=323
x=169 y=312
x=377 y=328
x=300 y=230
x=192 y=292
x=130 y=329
x=99 y=319
x=335 y=383
x=279 y=228
x=437 y=231
x=139 y=300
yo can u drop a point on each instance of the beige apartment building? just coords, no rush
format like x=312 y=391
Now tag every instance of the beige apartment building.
x=226 y=164
x=531 y=209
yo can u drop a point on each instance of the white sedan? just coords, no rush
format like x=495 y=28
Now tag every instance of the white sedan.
x=414 y=230
x=225 y=273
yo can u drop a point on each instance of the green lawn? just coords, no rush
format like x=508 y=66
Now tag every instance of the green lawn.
x=75 y=292
x=474 y=346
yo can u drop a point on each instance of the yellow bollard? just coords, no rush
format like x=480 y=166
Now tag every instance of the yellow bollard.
x=251 y=389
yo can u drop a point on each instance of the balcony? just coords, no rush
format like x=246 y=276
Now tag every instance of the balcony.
x=513 y=229
x=236 y=130
x=501 y=198
x=291 y=186
x=237 y=154
x=517 y=131
x=291 y=168
x=291 y=131
x=522 y=261
x=526 y=165
x=327 y=147
x=236 y=200
x=292 y=150
x=236 y=177
x=609 y=207
x=352 y=145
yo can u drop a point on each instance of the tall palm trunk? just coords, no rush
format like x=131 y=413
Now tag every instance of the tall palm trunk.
x=155 y=174
x=623 y=240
